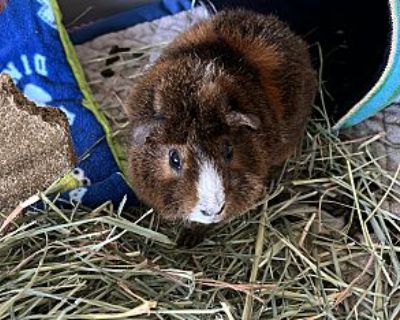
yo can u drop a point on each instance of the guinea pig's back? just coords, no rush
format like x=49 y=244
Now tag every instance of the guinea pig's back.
x=279 y=58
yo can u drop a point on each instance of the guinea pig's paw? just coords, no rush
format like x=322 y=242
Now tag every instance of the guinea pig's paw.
x=188 y=238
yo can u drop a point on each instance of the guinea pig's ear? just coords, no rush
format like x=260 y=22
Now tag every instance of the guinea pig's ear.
x=238 y=119
x=142 y=131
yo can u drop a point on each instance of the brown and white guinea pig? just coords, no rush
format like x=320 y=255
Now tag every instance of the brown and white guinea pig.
x=227 y=101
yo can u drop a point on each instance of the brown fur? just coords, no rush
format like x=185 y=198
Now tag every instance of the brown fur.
x=238 y=78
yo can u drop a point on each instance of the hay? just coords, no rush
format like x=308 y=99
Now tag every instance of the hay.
x=292 y=260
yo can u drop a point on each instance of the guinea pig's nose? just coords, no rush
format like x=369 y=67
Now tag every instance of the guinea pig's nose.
x=208 y=213
x=205 y=213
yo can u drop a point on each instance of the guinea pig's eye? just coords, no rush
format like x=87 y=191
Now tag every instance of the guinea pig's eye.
x=228 y=152
x=174 y=160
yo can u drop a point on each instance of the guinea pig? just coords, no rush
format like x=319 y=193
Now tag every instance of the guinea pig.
x=225 y=103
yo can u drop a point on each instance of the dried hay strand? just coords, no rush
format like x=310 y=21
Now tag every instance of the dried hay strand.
x=293 y=259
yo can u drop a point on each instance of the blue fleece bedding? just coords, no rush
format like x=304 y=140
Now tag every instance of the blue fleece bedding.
x=31 y=51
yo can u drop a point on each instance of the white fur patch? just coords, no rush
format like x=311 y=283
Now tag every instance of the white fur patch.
x=211 y=195
x=209 y=71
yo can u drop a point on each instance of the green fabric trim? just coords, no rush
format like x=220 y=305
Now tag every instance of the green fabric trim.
x=88 y=100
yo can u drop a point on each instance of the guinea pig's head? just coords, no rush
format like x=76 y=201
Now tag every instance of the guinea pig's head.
x=195 y=153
